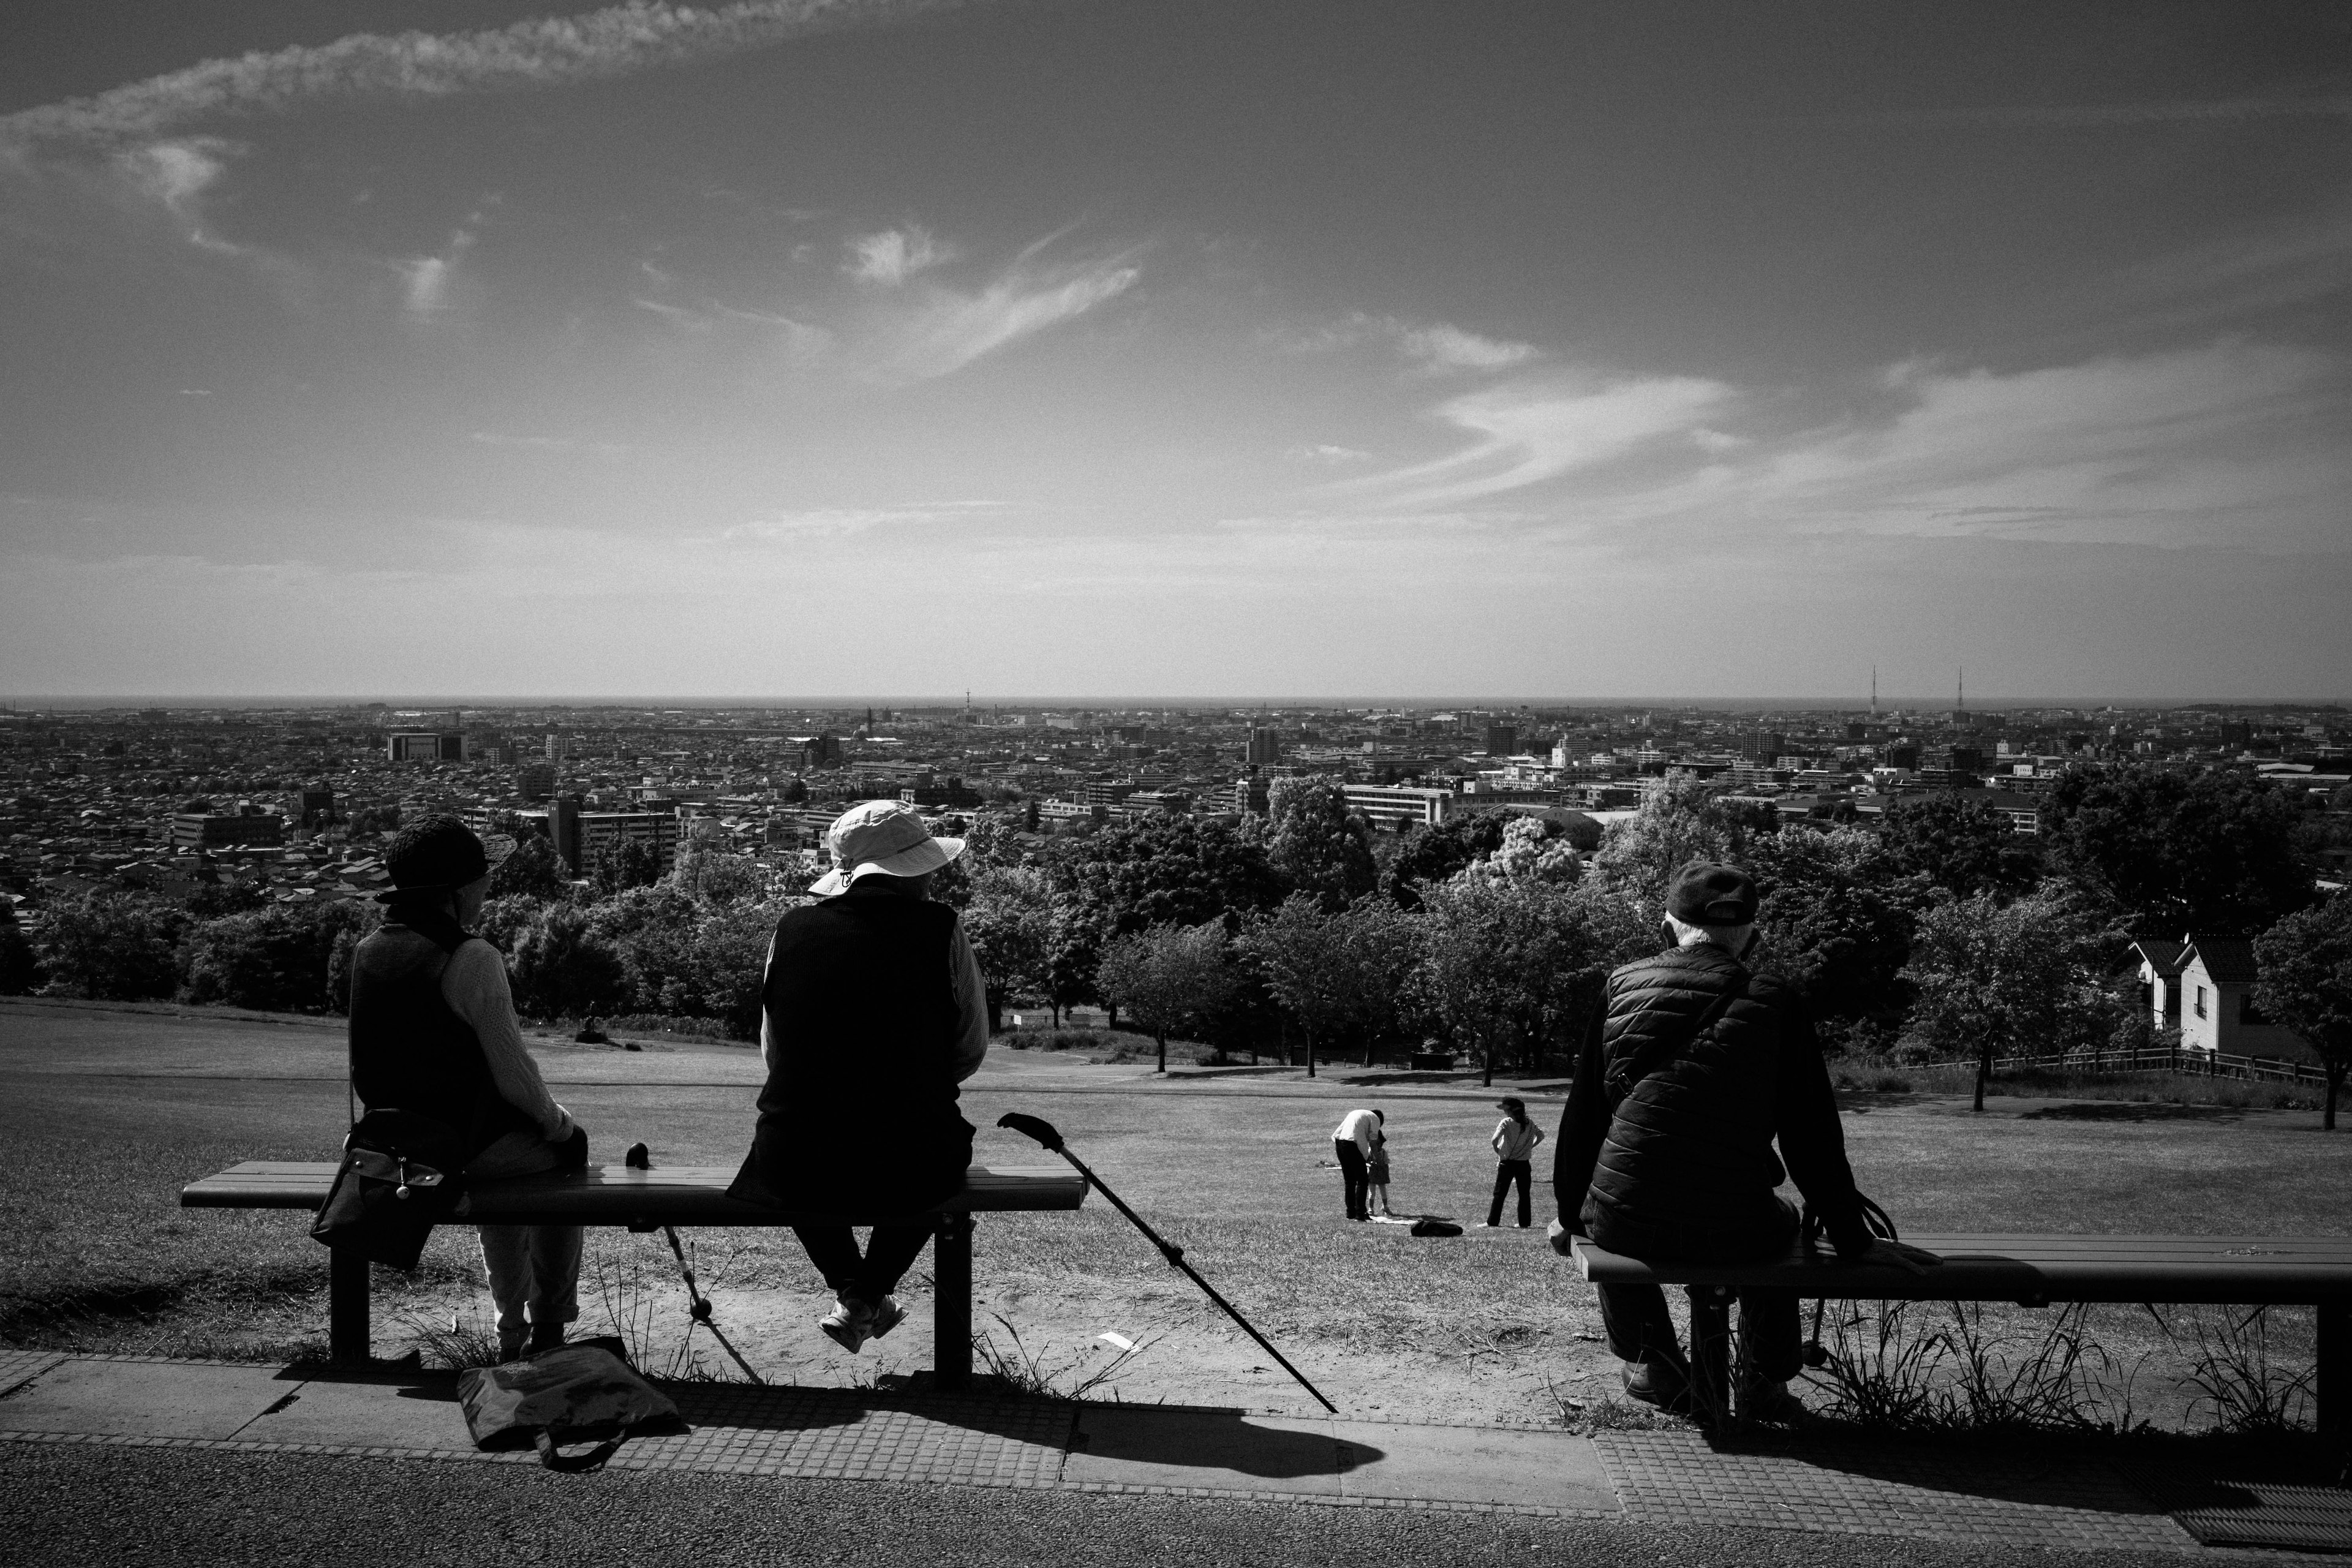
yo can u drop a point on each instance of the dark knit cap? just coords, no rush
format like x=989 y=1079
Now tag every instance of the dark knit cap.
x=1706 y=894
x=435 y=855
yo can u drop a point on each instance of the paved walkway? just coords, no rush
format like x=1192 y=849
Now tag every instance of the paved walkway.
x=1657 y=1478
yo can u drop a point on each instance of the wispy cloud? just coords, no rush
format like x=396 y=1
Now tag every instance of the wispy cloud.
x=1431 y=345
x=176 y=174
x=895 y=255
x=547 y=51
x=932 y=329
x=1328 y=452
x=1526 y=434
x=427 y=278
x=2218 y=446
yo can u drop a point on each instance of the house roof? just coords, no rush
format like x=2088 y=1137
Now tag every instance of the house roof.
x=2163 y=954
x=2229 y=960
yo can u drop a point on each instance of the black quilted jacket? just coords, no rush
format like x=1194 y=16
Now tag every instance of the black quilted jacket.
x=1666 y=1148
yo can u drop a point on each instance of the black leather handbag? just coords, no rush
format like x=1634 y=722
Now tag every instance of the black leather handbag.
x=399 y=1178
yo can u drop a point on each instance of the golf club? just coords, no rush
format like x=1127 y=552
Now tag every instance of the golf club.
x=1042 y=1131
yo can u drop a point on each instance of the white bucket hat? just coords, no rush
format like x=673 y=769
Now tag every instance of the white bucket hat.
x=884 y=835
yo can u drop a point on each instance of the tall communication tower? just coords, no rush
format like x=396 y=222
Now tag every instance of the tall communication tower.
x=1874 y=691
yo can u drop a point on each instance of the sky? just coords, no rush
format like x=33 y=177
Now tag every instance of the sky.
x=1101 y=347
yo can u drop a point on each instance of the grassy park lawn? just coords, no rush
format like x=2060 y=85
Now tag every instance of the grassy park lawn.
x=105 y=1114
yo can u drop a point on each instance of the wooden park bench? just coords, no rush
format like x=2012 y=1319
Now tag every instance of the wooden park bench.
x=682 y=1195
x=2032 y=1271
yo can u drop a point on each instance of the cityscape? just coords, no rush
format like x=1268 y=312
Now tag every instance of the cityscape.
x=294 y=803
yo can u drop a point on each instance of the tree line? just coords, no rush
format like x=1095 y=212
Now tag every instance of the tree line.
x=1938 y=933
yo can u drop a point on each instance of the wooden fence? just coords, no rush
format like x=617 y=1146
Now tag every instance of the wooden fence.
x=2159 y=1058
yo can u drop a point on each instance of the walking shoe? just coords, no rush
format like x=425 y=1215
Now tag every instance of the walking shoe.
x=1773 y=1403
x=545 y=1337
x=849 y=1324
x=1657 y=1382
x=887 y=1315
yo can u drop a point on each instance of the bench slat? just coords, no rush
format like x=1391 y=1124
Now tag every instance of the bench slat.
x=615 y=1195
x=2251 y=1270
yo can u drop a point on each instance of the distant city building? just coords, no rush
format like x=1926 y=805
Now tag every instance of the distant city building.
x=424 y=746
x=313 y=805
x=555 y=748
x=242 y=830
x=1394 y=809
x=1264 y=746
x=1502 y=740
x=535 y=781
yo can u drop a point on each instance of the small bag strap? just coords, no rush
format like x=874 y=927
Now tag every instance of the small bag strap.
x=554 y=1459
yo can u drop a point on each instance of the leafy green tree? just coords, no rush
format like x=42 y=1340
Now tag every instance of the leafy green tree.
x=717 y=877
x=1010 y=921
x=534 y=869
x=616 y=868
x=1532 y=850
x=112 y=947
x=1836 y=915
x=1435 y=853
x=2209 y=851
x=1960 y=845
x=214 y=899
x=1679 y=822
x=563 y=967
x=1323 y=847
x=1514 y=968
x=358 y=918
x=2021 y=978
x=20 y=971
x=1334 y=971
x=2304 y=963
x=277 y=959
x=1165 y=976
x=1168 y=870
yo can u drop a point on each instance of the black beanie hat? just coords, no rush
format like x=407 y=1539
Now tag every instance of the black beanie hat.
x=435 y=855
x=1706 y=894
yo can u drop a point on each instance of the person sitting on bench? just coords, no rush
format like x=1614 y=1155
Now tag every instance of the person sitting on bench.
x=433 y=1031
x=1692 y=1069
x=873 y=1010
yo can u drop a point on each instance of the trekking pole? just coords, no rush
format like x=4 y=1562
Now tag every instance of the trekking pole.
x=1042 y=1131
x=638 y=1159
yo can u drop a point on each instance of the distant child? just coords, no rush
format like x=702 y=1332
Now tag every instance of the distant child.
x=1376 y=1177
x=1514 y=1143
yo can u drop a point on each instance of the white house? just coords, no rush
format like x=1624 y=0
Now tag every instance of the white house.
x=2217 y=1004
x=2159 y=979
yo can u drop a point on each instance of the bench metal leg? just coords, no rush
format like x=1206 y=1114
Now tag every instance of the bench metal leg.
x=1710 y=1352
x=951 y=1302
x=347 y=1306
x=2332 y=1388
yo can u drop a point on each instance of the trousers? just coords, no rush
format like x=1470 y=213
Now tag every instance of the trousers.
x=534 y=1269
x=870 y=1275
x=1771 y=1332
x=1506 y=1172
x=1353 y=1177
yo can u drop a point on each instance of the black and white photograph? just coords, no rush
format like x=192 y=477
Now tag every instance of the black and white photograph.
x=1299 y=783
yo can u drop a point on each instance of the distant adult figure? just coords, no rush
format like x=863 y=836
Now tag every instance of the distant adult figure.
x=1692 y=1069
x=1352 y=1140
x=433 y=1031
x=872 y=1012
x=1514 y=1143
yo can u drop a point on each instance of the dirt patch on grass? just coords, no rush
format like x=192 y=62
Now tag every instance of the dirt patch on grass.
x=2130 y=1111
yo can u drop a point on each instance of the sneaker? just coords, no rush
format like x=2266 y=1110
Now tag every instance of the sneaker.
x=1661 y=1384
x=887 y=1315
x=545 y=1337
x=1771 y=1403
x=849 y=1324
x=512 y=1347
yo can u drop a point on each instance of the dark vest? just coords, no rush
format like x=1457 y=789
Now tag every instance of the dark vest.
x=1687 y=1169
x=859 y=1112
x=409 y=1049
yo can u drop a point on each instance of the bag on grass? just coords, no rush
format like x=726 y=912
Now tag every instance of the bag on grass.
x=1436 y=1227
x=399 y=1178
x=579 y=1393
